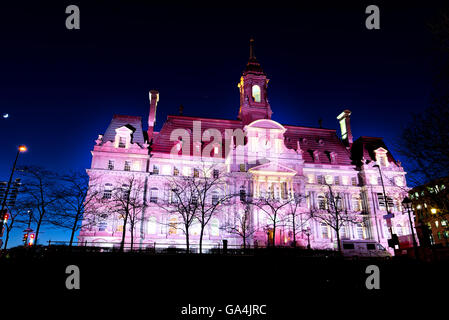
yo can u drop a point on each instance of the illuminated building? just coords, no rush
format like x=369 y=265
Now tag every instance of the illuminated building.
x=431 y=208
x=275 y=160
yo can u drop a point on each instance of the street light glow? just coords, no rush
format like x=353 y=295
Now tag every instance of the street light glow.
x=22 y=148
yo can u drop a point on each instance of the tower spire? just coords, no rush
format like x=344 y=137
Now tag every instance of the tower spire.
x=251 y=49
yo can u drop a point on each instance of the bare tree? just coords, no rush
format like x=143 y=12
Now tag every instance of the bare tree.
x=209 y=184
x=180 y=202
x=39 y=194
x=76 y=196
x=274 y=208
x=18 y=215
x=242 y=225
x=331 y=213
x=128 y=203
x=295 y=218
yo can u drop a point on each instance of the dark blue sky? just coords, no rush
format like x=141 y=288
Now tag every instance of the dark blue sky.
x=61 y=87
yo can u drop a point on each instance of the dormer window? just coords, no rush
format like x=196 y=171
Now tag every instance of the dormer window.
x=256 y=93
x=122 y=142
x=381 y=157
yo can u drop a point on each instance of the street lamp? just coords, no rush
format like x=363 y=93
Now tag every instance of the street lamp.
x=407 y=203
x=21 y=149
x=389 y=215
x=307 y=232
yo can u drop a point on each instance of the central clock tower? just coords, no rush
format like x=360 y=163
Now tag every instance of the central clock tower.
x=253 y=91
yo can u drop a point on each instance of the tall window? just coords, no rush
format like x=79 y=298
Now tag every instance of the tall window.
x=242 y=194
x=111 y=165
x=256 y=93
x=381 y=201
x=242 y=167
x=355 y=203
x=321 y=202
x=174 y=195
x=354 y=181
x=151 y=225
x=155 y=169
x=360 y=231
x=215 y=197
x=196 y=173
x=153 y=195
x=122 y=142
x=324 y=230
x=175 y=171
x=320 y=179
x=216 y=173
x=107 y=193
x=337 y=180
x=215 y=227
x=127 y=166
x=284 y=192
x=172 y=225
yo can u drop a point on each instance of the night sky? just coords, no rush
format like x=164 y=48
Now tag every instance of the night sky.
x=61 y=87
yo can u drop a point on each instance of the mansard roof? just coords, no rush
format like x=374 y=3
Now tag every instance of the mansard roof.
x=364 y=147
x=134 y=123
x=325 y=141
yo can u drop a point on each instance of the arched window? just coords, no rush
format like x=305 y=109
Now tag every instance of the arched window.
x=343 y=232
x=215 y=227
x=153 y=195
x=107 y=194
x=256 y=93
x=151 y=225
x=242 y=193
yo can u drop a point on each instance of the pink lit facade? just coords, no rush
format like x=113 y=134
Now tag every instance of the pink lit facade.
x=283 y=160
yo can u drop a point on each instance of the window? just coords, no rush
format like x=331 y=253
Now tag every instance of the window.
x=172 y=225
x=360 y=231
x=348 y=246
x=356 y=203
x=322 y=203
x=111 y=165
x=196 y=173
x=242 y=167
x=151 y=225
x=122 y=142
x=284 y=192
x=155 y=169
x=102 y=225
x=337 y=180
x=215 y=198
x=194 y=200
x=324 y=231
x=354 y=181
x=153 y=195
x=127 y=166
x=399 y=230
x=371 y=246
x=319 y=179
x=242 y=194
x=381 y=201
x=107 y=193
x=256 y=93
x=379 y=181
x=343 y=233
x=216 y=173
x=215 y=227
x=125 y=191
x=175 y=171
x=174 y=195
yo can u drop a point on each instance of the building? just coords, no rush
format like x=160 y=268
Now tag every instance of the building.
x=431 y=206
x=258 y=157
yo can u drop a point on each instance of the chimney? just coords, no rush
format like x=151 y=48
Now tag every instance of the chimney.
x=345 y=127
x=154 y=98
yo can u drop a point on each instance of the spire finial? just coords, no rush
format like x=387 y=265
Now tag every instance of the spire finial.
x=251 y=49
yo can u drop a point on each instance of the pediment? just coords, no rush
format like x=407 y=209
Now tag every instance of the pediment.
x=272 y=168
x=266 y=124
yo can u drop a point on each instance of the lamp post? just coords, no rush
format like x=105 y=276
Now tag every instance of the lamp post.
x=389 y=214
x=22 y=148
x=407 y=203
x=307 y=233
